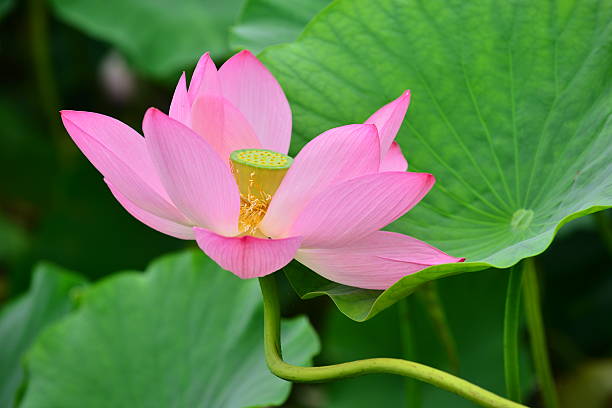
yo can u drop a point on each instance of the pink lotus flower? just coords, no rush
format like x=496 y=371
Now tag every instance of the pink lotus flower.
x=216 y=170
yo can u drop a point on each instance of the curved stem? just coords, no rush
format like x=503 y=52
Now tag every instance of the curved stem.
x=511 y=328
x=405 y=368
x=411 y=387
x=435 y=309
x=538 y=338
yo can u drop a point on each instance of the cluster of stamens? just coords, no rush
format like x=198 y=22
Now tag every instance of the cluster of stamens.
x=253 y=207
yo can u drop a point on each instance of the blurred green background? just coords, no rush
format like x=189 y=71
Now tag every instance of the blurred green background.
x=54 y=206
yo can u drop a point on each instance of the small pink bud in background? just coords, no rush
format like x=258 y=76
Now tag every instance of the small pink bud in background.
x=116 y=78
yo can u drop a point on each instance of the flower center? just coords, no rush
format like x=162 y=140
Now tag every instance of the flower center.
x=258 y=173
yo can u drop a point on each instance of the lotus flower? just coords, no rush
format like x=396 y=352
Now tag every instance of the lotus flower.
x=216 y=170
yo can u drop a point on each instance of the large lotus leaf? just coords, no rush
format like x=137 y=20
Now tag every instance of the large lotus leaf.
x=510 y=111
x=267 y=22
x=186 y=333
x=159 y=37
x=20 y=322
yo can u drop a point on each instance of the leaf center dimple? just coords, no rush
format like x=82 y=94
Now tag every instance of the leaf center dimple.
x=521 y=219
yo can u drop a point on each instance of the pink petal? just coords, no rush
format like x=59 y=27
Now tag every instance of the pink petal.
x=180 y=107
x=251 y=88
x=196 y=178
x=347 y=212
x=388 y=120
x=89 y=130
x=394 y=160
x=335 y=156
x=160 y=224
x=246 y=256
x=120 y=154
x=205 y=80
x=223 y=126
x=374 y=262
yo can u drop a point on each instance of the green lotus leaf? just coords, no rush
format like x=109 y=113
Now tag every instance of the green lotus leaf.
x=267 y=22
x=510 y=111
x=159 y=37
x=185 y=333
x=48 y=299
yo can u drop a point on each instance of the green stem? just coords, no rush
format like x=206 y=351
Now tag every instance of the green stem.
x=433 y=305
x=405 y=368
x=538 y=338
x=511 y=329
x=43 y=74
x=411 y=387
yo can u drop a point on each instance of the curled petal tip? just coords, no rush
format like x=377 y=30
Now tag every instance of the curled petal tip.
x=66 y=113
x=153 y=111
x=204 y=56
x=404 y=98
x=204 y=60
x=430 y=181
x=152 y=115
x=370 y=127
x=246 y=55
x=246 y=52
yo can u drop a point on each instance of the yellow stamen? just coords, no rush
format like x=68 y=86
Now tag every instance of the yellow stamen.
x=258 y=173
